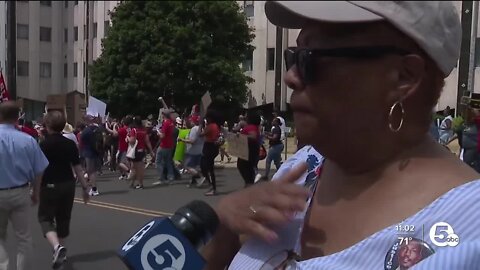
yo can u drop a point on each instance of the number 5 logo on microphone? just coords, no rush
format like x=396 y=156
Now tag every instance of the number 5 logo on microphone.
x=163 y=251
x=442 y=235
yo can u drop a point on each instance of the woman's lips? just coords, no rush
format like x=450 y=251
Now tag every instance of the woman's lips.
x=300 y=108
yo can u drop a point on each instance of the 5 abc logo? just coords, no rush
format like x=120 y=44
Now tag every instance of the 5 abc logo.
x=163 y=251
x=442 y=235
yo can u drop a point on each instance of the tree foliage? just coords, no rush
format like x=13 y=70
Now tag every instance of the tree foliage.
x=175 y=49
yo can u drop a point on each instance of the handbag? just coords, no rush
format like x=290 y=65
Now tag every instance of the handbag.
x=132 y=148
x=262 y=153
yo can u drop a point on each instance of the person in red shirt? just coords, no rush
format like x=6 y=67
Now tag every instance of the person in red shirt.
x=252 y=130
x=211 y=148
x=27 y=127
x=121 y=134
x=164 y=156
x=195 y=114
x=138 y=136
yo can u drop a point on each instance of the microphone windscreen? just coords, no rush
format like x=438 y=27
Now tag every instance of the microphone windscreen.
x=206 y=213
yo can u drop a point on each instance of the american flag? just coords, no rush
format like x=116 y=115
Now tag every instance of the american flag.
x=4 y=95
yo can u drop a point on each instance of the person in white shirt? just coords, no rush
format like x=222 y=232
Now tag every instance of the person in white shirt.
x=193 y=154
x=446 y=130
x=282 y=124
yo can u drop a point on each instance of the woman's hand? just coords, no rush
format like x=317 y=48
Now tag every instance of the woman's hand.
x=254 y=210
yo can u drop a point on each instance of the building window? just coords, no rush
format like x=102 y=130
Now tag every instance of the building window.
x=248 y=62
x=85 y=32
x=45 y=34
x=76 y=3
x=271 y=59
x=45 y=70
x=46 y=3
x=106 y=26
x=75 y=69
x=22 y=68
x=95 y=30
x=66 y=4
x=84 y=69
x=75 y=33
x=248 y=8
x=22 y=31
x=65 y=70
x=65 y=35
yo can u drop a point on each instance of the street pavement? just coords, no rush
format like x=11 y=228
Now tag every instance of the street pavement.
x=101 y=227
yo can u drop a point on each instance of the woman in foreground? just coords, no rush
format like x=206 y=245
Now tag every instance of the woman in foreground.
x=386 y=196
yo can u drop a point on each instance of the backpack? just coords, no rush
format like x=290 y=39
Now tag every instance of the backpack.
x=98 y=140
x=221 y=137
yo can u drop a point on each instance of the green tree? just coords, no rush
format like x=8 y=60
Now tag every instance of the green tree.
x=175 y=49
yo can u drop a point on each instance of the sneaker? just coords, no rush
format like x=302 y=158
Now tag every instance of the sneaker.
x=122 y=177
x=257 y=178
x=139 y=187
x=93 y=192
x=200 y=183
x=159 y=182
x=59 y=257
x=211 y=192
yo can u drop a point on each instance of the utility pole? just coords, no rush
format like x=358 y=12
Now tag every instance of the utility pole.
x=86 y=49
x=465 y=63
x=278 y=69
x=283 y=104
x=11 y=49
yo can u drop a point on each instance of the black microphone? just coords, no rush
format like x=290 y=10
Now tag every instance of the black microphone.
x=172 y=243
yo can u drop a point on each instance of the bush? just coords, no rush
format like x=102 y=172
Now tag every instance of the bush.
x=458 y=123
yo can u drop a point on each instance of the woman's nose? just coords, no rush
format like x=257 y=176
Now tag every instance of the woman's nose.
x=292 y=79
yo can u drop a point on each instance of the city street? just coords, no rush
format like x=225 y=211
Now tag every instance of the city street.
x=100 y=228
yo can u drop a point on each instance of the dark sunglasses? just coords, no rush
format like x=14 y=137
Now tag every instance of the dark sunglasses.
x=305 y=62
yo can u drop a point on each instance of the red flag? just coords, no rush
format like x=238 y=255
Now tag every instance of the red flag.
x=4 y=95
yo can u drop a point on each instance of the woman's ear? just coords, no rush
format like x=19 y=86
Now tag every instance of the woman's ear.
x=410 y=76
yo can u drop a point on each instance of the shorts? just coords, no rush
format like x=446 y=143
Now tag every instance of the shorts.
x=192 y=161
x=122 y=158
x=55 y=208
x=91 y=165
x=139 y=156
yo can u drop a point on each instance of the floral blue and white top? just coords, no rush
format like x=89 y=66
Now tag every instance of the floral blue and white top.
x=443 y=235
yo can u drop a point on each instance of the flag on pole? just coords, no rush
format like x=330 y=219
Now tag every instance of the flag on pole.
x=4 y=95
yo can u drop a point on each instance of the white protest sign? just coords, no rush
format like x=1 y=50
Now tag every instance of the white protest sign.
x=206 y=101
x=238 y=145
x=96 y=107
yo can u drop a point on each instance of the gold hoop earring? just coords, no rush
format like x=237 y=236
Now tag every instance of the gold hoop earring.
x=390 y=116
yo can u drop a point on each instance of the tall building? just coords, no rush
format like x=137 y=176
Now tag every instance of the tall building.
x=261 y=65
x=53 y=48
x=3 y=35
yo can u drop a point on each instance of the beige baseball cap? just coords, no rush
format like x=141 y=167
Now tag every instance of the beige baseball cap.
x=434 y=25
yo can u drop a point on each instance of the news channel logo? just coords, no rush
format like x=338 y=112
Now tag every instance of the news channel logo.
x=163 y=251
x=137 y=237
x=442 y=235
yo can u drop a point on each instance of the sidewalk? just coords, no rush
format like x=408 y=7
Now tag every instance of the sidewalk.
x=291 y=149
